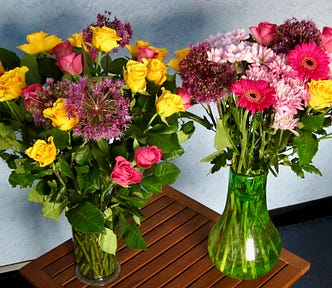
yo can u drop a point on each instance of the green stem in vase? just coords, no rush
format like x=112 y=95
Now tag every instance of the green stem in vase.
x=244 y=244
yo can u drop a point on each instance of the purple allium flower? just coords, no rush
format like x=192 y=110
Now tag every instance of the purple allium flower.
x=205 y=80
x=101 y=107
x=294 y=32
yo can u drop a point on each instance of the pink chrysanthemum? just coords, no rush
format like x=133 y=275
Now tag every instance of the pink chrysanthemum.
x=310 y=61
x=254 y=95
x=285 y=121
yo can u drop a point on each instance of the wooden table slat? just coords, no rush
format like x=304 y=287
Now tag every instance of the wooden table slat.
x=176 y=231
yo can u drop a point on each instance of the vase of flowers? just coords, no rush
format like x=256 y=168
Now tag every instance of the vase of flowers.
x=92 y=135
x=268 y=97
x=244 y=243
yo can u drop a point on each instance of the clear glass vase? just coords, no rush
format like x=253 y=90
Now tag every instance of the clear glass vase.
x=94 y=267
x=244 y=243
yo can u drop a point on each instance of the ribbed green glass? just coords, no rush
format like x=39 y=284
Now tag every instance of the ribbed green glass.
x=244 y=244
x=94 y=266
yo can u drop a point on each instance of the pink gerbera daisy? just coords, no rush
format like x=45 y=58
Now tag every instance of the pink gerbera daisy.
x=310 y=61
x=254 y=95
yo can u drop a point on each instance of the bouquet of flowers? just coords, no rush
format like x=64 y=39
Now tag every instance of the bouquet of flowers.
x=267 y=95
x=92 y=135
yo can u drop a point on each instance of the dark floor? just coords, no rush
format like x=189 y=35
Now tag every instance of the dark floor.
x=305 y=229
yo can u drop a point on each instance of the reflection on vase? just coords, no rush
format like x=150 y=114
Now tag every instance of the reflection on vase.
x=244 y=243
x=94 y=266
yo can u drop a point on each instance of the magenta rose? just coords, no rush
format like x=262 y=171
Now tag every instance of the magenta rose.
x=146 y=52
x=31 y=94
x=62 y=49
x=326 y=35
x=124 y=173
x=186 y=98
x=265 y=33
x=71 y=64
x=146 y=156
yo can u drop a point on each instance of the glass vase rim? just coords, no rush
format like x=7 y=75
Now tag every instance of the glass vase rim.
x=262 y=173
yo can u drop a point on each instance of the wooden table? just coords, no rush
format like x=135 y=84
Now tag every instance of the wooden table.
x=176 y=231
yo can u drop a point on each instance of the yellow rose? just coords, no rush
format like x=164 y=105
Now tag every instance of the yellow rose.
x=39 y=42
x=104 y=38
x=134 y=76
x=174 y=63
x=134 y=50
x=168 y=104
x=156 y=71
x=12 y=82
x=58 y=115
x=42 y=152
x=76 y=40
x=321 y=94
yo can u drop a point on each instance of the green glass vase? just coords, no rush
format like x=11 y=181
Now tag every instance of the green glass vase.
x=94 y=267
x=244 y=243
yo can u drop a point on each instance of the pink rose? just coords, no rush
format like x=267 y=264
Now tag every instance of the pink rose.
x=186 y=98
x=265 y=33
x=31 y=94
x=124 y=173
x=61 y=50
x=146 y=156
x=326 y=35
x=71 y=63
x=146 y=52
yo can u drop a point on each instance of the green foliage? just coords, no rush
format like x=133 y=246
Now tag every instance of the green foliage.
x=9 y=59
x=86 y=218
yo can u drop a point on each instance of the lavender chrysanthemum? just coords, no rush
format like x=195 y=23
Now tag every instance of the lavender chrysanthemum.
x=101 y=107
x=205 y=80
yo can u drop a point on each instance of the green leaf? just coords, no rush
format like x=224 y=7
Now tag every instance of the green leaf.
x=82 y=155
x=32 y=76
x=116 y=66
x=108 y=241
x=9 y=59
x=219 y=162
x=133 y=238
x=52 y=210
x=35 y=196
x=222 y=138
x=64 y=168
x=211 y=157
x=312 y=169
x=297 y=169
x=152 y=184
x=168 y=143
x=61 y=138
x=166 y=172
x=313 y=122
x=163 y=129
x=307 y=147
x=187 y=130
x=48 y=69
x=86 y=218
x=8 y=138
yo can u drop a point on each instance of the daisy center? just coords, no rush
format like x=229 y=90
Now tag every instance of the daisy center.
x=253 y=95
x=309 y=63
